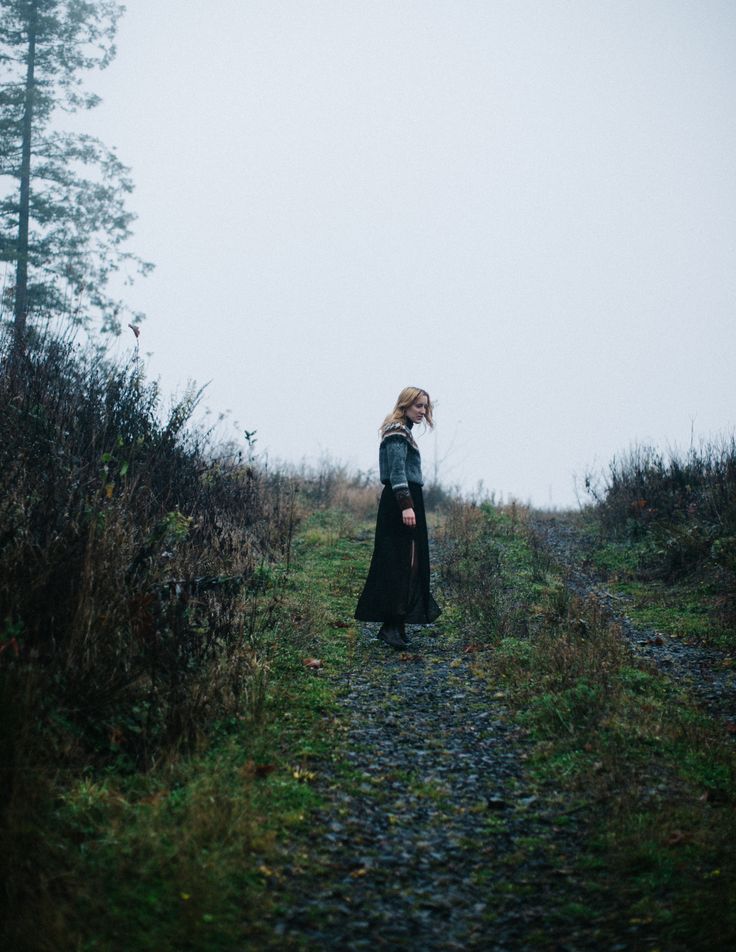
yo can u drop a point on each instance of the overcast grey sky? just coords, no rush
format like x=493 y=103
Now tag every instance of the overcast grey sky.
x=527 y=208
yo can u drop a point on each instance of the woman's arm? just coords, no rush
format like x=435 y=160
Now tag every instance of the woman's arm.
x=396 y=450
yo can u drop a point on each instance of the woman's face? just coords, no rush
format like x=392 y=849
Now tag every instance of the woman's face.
x=418 y=410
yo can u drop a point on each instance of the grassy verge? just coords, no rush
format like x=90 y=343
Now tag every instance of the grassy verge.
x=651 y=776
x=182 y=857
x=695 y=608
x=203 y=852
x=663 y=529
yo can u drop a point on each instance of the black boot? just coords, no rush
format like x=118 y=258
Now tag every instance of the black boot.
x=391 y=635
x=402 y=633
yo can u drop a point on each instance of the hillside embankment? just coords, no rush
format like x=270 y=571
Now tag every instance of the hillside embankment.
x=708 y=670
x=516 y=779
x=203 y=751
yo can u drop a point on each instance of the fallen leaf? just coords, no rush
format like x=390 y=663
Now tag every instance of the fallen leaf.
x=408 y=656
x=676 y=837
x=312 y=662
x=251 y=769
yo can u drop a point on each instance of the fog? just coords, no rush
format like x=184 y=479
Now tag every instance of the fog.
x=526 y=208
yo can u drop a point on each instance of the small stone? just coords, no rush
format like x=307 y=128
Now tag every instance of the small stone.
x=496 y=803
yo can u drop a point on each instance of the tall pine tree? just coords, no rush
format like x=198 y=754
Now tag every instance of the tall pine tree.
x=63 y=221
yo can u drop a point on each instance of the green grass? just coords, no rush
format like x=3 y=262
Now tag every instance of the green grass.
x=684 y=610
x=653 y=776
x=193 y=855
x=696 y=608
x=619 y=559
x=186 y=856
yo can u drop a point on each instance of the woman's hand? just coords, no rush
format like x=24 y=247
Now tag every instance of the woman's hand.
x=409 y=517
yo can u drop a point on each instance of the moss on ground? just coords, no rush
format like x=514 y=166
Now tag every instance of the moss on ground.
x=656 y=774
x=190 y=855
x=697 y=607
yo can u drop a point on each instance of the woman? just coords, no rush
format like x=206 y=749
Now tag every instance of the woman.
x=397 y=588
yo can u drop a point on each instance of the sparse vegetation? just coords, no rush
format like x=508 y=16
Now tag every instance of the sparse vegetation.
x=177 y=625
x=664 y=532
x=654 y=775
x=681 y=507
x=143 y=599
x=134 y=560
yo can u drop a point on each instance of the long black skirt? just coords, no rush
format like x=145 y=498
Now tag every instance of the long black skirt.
x=397 y=587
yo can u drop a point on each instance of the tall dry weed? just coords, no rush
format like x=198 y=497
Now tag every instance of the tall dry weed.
x=135 y=594
x=681 y=506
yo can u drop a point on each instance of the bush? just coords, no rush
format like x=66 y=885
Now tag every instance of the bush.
x=471 y=568
x=137 y=604
x=129 y=559
x=682 y=506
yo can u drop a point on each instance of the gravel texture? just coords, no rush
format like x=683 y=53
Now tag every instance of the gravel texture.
x=433 y=837
x=434 y=834
x=701 y=669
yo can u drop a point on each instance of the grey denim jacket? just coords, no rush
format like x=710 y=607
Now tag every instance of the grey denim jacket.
x=399 y=462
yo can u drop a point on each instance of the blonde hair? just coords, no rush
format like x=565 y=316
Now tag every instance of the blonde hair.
x=407 y=397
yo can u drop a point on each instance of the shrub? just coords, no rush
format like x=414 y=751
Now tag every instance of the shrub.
x=129 y=558
x=682 y=506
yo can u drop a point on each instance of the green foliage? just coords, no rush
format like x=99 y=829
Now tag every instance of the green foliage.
x=680 y=511
x=566 y=711
x=690 y=609
x=186 y=856
x=650 y=779
x=157 y=721
x=122 y=566
x=515 y=650
x=666 y=531
x=620 y=559
x=483 y=548
x=63 y=220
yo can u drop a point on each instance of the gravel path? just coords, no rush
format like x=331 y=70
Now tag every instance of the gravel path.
x=701 y=669
x=434 y=834
x=434 y=837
